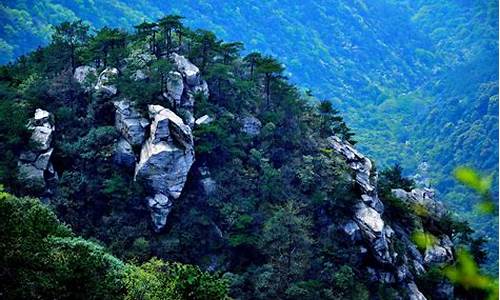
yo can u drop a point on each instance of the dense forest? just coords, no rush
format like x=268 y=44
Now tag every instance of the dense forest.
x=181 y=169
x=416 y=80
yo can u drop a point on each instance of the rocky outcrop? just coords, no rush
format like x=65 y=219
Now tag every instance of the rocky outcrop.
x=368 y=227
x=130 y=123
x=250 y=125
x=189 y=71
x=164 y=156
x=35 y=168
x=184 y=83
x=124 y=154
x=105 y=81
x=82 y=75
x=165 y=160
x=423 y=198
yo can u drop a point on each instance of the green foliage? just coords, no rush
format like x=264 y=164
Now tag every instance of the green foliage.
x=280 y=195
x=41 y=258
x=159 y=280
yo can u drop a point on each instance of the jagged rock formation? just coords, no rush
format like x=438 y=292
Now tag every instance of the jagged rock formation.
x=130 y=123
x=184 y=83
x=165 y=160
x=35 y=168
x=368 y=228
x=167 y=151
x=423 y=198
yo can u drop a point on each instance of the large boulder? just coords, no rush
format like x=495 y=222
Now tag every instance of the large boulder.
x=189 y=71
x=165 y=160
x=130 y=123
x=105 y=81
x=34 y=165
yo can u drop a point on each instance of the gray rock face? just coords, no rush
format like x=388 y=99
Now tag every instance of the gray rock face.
x=441 y=252
x=130 y=123
x=352 y=230
x=414 y=293
x=189 y=71
x=82 y=74
x=124 y=154
x=374 y=232
x=160 y=206
x=369 y=208
x=175 y=88
x=250 y=125
x=104 y=82
x=424 y=198
x=34 y=164
x=165 y=160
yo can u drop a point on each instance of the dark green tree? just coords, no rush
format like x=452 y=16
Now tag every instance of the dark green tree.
x=69 y=37
x=271 y=69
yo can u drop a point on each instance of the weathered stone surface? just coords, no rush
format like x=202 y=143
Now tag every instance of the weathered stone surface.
x=414 y=293
x=165 y=123
x=441 y=252
x=42 y=130
x=424 y=198
x=165 y=160
x=28 y=156
x=250 y=125
x=82 y=74
x=43 y=159
x=124 y=154
x=105 y=81
x=352 y=230
x=129 y=122
x=203 y=120
x=175 y=88
x=34 y=162
x=164 y=167
x=370 y=218
x=189 y=71
x=160 y=206
x=362 y=167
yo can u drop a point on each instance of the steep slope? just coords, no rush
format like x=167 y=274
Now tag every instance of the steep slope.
x=168 y=143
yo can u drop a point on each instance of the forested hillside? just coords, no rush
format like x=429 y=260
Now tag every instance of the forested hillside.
x=416 y=80
x=167 y=142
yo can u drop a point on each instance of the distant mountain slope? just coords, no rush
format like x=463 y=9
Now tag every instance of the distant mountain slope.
x=416 y=80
